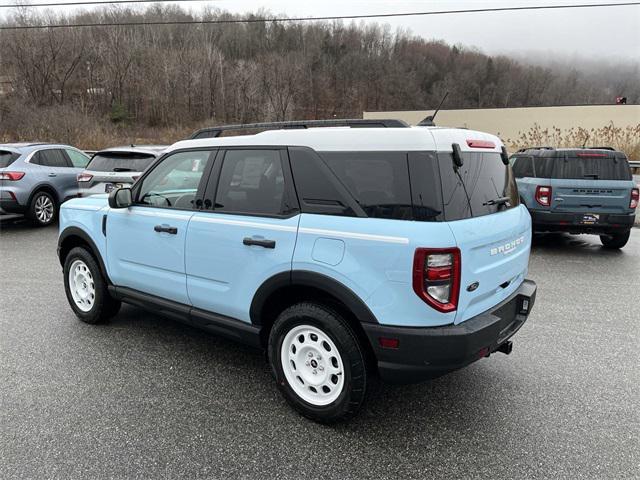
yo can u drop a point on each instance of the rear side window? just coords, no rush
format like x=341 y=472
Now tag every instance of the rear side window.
x=426 y=188
x=583 y=166
x=523 y=167
x=50 y=158
x=7 y=158
x=379 y=181
x=120 y=162
x=251 y=182
x=318 y=189
x=480 y=187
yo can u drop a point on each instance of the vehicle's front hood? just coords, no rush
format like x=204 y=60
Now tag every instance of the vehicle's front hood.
x=94 y=202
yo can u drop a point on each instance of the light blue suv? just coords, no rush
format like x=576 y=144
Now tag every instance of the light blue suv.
x=578 y=190
x=345 y=253
x=35 y=178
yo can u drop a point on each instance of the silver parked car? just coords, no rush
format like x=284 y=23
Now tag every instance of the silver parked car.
x=116 y=167
x=35 y=178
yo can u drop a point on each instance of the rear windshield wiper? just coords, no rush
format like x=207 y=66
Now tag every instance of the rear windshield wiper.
x=497 y=201
x=123 y=169
x=595 y=176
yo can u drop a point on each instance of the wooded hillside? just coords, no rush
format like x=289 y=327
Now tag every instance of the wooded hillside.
x=61 y=81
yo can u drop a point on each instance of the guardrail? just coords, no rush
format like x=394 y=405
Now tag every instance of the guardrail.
x=635 y=164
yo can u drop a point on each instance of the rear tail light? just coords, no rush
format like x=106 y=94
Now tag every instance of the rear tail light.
x=635 y=197
x=543 y=196
x=436 y=277
x=12 y=176
x=84 y=177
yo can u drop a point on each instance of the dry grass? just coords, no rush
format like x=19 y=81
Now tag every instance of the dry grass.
x=626 y=139
x=65 y=124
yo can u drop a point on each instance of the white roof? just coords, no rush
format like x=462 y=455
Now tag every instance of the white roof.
x=352 y=139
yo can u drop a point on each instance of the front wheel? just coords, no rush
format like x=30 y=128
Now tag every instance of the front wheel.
x=616 y=240
x=86 y=288
x=318 y=363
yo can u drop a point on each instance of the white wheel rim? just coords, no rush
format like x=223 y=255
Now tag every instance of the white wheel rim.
x=81 y=285
x=44 y=209
x=312 y=365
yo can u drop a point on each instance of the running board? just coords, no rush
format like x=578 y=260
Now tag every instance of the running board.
x=228 y=327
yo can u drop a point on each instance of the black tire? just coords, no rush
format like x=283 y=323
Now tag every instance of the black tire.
x=35 y=208
x=333 y=325
x=616 y=240
x=104 y=306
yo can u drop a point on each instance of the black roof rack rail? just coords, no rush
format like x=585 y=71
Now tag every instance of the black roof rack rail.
x=603 y=148
x=534 y=148
x=214 y=132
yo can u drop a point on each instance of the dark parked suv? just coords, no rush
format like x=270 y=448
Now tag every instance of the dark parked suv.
x=578 y=190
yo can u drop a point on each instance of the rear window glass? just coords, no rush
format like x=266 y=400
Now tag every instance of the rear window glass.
x=7 y=158
x=482 y=186
x=379 y=181
x=577 y=167
x=120 y=162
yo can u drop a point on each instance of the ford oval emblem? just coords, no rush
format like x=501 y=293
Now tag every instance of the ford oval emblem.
x=473 y=286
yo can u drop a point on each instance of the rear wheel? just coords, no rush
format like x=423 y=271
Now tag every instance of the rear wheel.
x=42 y=209
x=616 y=240
x=86 y=289
x=318 y=363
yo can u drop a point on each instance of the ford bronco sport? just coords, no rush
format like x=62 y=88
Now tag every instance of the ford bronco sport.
x=578 y=191
x=347 y=254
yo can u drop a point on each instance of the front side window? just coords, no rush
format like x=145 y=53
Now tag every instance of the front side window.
x=79 y=160
x=251 y=182
x=174 y=182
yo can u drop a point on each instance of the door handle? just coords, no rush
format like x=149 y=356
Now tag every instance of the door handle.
x=259 y=242
x=166 y=229
x=53 y=174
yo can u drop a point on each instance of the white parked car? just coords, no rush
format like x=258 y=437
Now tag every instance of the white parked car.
x=116 y=167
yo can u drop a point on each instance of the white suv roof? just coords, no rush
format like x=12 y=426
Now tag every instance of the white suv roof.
x=350 y=139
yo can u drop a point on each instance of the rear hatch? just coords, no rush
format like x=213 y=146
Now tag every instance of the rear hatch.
x=587 y=182
x=108 y=170
x=492 y=230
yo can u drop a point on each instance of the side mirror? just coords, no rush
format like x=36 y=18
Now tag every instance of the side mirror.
x=504 y=155
x=120 y=198
x=458 y=161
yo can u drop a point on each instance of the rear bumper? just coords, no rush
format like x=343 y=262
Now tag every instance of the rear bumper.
x=573 y=222
x=11 y=206
x=425 y=353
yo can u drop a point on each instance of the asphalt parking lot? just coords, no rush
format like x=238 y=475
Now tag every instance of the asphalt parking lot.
x=144 y=397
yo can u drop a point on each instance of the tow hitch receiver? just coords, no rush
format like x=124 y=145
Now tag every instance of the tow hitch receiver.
x=506 y=347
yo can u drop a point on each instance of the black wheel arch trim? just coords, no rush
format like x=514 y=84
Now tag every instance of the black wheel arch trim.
x=77 y=232
x=306 y=278
x=46 y=187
